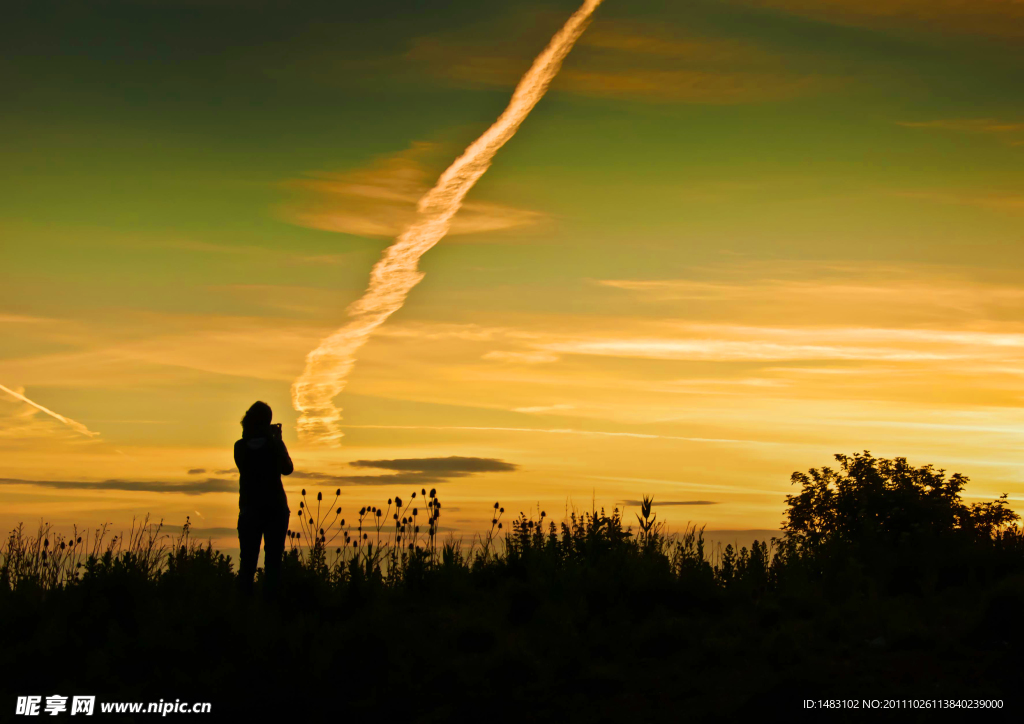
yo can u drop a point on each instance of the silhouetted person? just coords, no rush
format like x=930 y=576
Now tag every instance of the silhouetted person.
x=261 y=458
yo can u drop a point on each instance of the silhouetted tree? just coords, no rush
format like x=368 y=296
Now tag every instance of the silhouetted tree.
x=875 y=501
x=906 y=528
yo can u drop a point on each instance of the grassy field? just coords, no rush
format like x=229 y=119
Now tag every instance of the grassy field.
x=884 y=585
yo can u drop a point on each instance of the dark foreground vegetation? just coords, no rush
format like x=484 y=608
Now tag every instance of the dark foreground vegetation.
x=884 y=584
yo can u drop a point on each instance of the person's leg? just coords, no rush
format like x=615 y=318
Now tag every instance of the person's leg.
x=274 y=532
x=249 y=534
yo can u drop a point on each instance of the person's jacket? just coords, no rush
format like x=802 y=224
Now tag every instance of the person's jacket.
x=262 y=458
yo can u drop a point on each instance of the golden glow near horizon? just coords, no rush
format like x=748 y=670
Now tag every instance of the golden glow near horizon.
x=731 y=241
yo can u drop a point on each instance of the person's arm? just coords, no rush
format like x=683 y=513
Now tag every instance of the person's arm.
x=238 y=455
x=284 y=460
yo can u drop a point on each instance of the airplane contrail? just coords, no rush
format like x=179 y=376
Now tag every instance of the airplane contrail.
x=76 y=426
x=394 y=276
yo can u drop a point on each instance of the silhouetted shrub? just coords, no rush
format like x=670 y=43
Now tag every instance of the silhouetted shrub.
x=888 y=522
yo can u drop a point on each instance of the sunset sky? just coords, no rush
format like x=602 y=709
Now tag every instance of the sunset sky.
x=736 y=237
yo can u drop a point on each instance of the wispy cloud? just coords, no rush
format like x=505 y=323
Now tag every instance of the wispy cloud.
x=737 y=350
x=633 y=60
x=147 y=348
x=691 y=86
x=563 y=431
x=76 y=426
x=443 y=466
x=901 y=320
x=529 y=358
x=876 y=290
x=210 y=485
x=414 y=471
x=726 y=342
x=543 y=409
x=684 y=485
x=380 y=200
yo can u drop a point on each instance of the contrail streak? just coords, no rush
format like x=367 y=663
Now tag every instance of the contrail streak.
x=394 y=276
x=76 y=426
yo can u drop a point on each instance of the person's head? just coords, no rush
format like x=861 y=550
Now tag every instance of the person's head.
x=257 y=418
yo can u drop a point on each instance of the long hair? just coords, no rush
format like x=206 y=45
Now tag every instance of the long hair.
x=256 y=418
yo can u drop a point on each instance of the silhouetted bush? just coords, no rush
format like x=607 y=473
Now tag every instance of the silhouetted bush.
x=885 y=522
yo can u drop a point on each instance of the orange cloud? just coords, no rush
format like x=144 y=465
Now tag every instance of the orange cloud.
x=380 y=200
x=637 y=61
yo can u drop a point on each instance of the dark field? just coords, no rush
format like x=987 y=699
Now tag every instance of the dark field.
x=884 y=586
